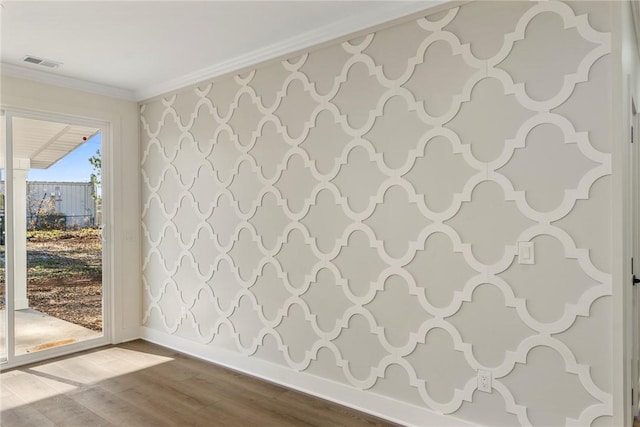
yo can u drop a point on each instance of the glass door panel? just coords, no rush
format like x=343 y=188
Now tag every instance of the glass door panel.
x=3 y=288
x=51 y=256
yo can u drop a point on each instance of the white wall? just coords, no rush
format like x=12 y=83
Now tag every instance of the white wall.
x=123 y=118
x=347 y=221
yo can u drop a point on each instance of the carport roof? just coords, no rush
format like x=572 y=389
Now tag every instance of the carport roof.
x=44 y=142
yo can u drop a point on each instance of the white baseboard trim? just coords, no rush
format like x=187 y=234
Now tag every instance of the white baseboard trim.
x=377 y=405
x=126 y=335
x=21 y=304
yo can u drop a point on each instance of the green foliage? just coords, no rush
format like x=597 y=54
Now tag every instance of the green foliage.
x=96 y=175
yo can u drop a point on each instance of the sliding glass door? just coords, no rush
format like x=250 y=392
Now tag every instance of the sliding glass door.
x=3 y=289
x=52 y=291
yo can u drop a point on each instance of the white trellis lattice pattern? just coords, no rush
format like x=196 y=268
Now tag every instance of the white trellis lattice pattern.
x=354 y=212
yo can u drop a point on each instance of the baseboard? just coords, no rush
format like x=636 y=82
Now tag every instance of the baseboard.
x=377 y=405
x=20 y=304
x=125 y=335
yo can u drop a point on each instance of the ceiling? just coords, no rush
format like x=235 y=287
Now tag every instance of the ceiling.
x=144 y=48
x=44 y=142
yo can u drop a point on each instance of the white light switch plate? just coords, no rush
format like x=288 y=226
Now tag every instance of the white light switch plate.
x=526 y=253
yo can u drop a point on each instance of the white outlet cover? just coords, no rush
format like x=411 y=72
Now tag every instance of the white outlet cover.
x=484 y=381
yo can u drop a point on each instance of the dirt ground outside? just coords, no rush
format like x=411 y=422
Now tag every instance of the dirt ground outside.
x=64 y=275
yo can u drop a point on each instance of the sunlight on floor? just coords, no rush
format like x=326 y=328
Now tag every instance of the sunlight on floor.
x=49 y=379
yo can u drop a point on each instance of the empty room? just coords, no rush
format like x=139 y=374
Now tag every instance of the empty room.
x=289 y=213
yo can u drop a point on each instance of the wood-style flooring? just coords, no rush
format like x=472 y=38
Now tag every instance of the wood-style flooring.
x=141 y=384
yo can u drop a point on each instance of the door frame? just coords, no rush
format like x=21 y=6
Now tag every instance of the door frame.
x=634 y=187
x=105 y=127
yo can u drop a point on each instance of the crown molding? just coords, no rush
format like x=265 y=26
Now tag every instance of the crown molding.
x=293 y=44
x=26 y=73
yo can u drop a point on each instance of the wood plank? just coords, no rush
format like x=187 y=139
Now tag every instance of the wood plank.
x=329 y=412
x=28 y=387
x=241 y=387
x=24 y=416
x=230 y=412
x=10 y=401
x=56 y=377
x=121 y=383
x=172 y=370
x=193 y=392
x=142 y=384
x=64 y=411
x=150 y=348
x=175 y=409
x=84 y=372
x=115 y=409
x=140 y=358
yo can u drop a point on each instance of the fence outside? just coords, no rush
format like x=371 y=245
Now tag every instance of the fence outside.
x=61 y=205
x=59 y=221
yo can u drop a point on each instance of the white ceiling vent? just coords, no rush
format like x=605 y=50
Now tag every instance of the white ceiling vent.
x=39 y=61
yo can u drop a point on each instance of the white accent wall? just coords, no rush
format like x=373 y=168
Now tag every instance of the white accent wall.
x=347 y=221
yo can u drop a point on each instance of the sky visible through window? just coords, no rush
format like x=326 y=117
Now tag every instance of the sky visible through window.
x=74 y=167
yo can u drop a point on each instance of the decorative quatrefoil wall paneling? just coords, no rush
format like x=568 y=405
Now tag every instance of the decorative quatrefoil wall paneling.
x=354 y=212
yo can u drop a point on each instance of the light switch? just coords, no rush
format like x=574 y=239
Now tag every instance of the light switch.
x=526 y=253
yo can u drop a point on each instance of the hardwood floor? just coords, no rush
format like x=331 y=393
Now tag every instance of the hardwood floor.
x=141 y=384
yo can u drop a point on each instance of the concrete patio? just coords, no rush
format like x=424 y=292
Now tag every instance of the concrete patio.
x=37 y=331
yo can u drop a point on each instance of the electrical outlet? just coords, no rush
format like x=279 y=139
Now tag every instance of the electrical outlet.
x=484 y=381
x=183 y=312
